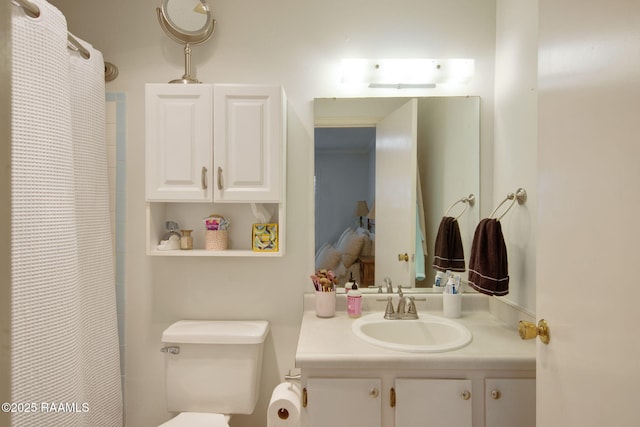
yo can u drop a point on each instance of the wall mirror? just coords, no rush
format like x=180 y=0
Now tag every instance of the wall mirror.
x=188 y=22
x=408 y=160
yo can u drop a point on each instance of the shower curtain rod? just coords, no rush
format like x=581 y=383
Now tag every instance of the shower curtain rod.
x=111 y=71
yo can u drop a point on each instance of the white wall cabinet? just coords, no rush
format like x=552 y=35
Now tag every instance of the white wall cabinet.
x=344 y=402
x=221 y=146
x=510 y=402
x=178 y=142
x=248 y=150
x=438 y=402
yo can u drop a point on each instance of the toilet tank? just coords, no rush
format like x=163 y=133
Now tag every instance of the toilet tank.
x=213 y=366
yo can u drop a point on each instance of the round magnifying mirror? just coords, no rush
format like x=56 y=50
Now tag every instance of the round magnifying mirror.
x=187 y=22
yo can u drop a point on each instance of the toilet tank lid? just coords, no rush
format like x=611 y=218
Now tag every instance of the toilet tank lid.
x=216 y=332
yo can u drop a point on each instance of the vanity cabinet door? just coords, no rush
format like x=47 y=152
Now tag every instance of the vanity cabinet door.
x=249 y=148
x=433 y=402
x=510 y=402
x=344 y=402
x=178 y=142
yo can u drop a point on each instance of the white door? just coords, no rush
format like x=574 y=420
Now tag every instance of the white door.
x=588 y=244
x=344 y=402
x=396 y=145
x=510 y=402
x=249 y=135
x=433 y=402
x=178 y=127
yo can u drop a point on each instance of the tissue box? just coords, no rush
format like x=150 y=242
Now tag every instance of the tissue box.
x=265 y=238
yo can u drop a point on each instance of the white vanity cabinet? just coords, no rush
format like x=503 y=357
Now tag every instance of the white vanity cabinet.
x=460 y=398
x=440 y=402
x=490 y=382
x=178 y=142
x=214 y=149
x=344 y=402
x=248 y=150
x=510 y=402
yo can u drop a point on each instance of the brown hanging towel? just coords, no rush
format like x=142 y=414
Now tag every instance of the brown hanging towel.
x=488 y=265
x=448 y=253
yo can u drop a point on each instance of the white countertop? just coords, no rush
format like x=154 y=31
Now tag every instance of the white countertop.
x=330 y=343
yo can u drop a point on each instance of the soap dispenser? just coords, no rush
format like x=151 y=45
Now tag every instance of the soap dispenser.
x=349 y=285
x=354 y=301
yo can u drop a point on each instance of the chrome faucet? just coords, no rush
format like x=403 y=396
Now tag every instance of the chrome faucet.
x=406 y=309
x=389 y=286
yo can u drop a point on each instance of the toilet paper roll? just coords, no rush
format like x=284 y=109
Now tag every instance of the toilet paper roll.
x=284 y=407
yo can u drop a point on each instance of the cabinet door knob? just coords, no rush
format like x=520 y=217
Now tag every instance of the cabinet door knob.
x=220 y=186
x=373 y=393
x=203 y=178
x=528 y=330
x=495 y=394
x=466 y=395
x=403 y=257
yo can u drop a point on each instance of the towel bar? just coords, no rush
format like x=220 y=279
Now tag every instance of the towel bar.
x=519 y=196
x=468 y=201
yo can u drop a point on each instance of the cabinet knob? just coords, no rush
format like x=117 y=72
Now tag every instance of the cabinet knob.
x=403 y=257
x=496 y=394
x=528 y=330
x=373 y=393
x=466 y=395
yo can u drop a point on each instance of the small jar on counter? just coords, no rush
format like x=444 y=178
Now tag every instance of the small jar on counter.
x=186 y=241
x=354 y=302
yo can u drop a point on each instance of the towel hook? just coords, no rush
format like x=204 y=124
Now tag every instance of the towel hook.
x=519 y=196
x=470 y=200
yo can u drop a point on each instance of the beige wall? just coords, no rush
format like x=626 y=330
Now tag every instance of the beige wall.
x=448 y=154
x=299 y=45
x=516 y=141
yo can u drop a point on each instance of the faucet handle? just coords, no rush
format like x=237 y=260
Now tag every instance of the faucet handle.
x=389 y=312
x=412 y=306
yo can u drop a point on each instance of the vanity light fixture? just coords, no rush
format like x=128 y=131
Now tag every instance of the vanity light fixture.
x=407 y=73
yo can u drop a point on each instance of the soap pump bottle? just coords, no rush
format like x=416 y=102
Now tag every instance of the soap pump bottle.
x=354 y=301
x=349 y=285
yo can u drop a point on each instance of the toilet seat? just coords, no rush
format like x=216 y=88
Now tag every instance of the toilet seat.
x=197 y=419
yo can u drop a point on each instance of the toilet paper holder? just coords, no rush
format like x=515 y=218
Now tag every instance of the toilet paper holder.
x=292 y=377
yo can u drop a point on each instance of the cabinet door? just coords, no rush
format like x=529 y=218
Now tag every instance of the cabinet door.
x=249 y=143
x=510 y=402
x=178 y=142
x=433 y=402
x=339 y=402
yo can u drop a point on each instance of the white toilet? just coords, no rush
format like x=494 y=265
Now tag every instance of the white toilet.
x=212 y=370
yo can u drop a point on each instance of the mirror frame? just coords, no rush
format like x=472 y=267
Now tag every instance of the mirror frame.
x=180 y=35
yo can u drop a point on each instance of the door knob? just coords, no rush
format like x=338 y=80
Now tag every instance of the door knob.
x=528 y=330
x=403 y=257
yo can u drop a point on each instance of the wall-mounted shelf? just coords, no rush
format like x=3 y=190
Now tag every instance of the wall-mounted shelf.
x=190 y=215
x=226 y=253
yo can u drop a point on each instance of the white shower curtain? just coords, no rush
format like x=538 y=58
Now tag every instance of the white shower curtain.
x=65 y=353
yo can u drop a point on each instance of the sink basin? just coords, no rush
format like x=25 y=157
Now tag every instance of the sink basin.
x=428 y=334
